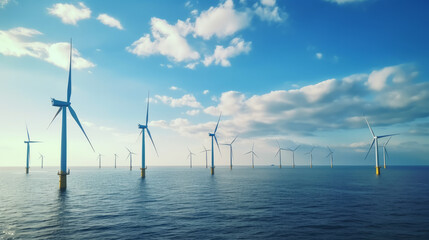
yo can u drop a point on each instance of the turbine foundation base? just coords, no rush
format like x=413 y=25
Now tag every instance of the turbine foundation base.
x=212 y=170
x=143 y=174
x=377 y=171
x=63 y=180
x=27 y=170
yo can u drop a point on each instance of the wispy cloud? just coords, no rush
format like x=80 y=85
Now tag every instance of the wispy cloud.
x=69 y=13
x=15 y=43
x=221 y=54
x=110 y=21
x=340 y=2
x=187 y=100
x=267 y=10
x=319 y=55
x=3 y=3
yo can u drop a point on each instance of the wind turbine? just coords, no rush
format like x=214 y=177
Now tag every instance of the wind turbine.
x=27 y=168
x=190 y=157
x=41 y=157
x=253 y=155
x=116 y=155
x=279 y=152
x=385 y=154
x=63 y=106
x=130 y=156
x=99 y=160
x=143 y=127
x=375 y=139
x=331 y=153
x=293 y=154
x=213 y=136
x=230 y=151
x=311 y=157
x=205 y=150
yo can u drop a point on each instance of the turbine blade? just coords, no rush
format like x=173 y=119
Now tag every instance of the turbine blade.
x=387 y=135
x=34 y=141
x=139 y=135
x=253 y=146
x=387 y=141
x=278 y=144
x=277 y=153
x=147 y=108
x=218 y=144
x=150 y=136
x=387 y=154
x=247 y=152
x=69 y=83
x=370 y=129
x=297 y=147
x=217 y=125
x=28 y=135
x=256 y=155
x=369 y=148
x=329 y=149
x=56 y=114
x=73 y=113
x=234 y=139
x=128 y=149
x=127 y=157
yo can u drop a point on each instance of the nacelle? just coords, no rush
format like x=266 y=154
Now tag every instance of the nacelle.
x=211 y=134
x=58 y=103
x=142 y=126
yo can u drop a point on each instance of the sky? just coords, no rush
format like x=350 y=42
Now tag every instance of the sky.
x=303 y=73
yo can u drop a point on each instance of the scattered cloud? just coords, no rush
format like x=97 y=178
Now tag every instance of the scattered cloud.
x=319 y=55
x=205 y=92
x=174 y=88
x=3 y=3
x=187 y=100
x=193 y=112
x=221 y=54
x=191 y=65
x=15 y=43
x=268 y=11
x=69 y=13
x=109 y=21
x=339 y=2
x=398 y=74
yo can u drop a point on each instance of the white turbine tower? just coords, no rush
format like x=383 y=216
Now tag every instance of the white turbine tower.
x=41 y=157
x=190 y=157
x=293 y=154
x=331 y=153
x=311 y=156
x=253 y=155
x=99 y=160
x=279 y=152
x=116 y=155
x=375 y=140
x=27 y=168
x=230 y=151
x=385 y=154
x=205 y=150
x=130 y=156
x=214 y=138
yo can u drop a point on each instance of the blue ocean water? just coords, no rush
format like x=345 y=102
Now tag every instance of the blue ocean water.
x=245 y=203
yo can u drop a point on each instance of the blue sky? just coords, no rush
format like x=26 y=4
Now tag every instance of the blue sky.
x=300 y=72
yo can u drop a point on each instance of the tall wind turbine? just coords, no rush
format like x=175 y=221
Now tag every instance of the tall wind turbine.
x=99 y=160
x=41 y=157
x=230 y=151
x=253 y=155
x=311 y=156
x=375 y=139
x=190 y=157
x=293 y=154
x=143 y=128
x=205 y=150
x=27 y=168
x=331 y=153
x=130 y=156
x=63 y=106
x=385 y=154
x=116 y=155
x=213 y=136
x=279 y=152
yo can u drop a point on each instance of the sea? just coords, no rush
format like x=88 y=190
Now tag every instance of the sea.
x=344 y=202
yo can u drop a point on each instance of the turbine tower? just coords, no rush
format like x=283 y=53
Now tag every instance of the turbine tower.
x=190 y=157
x=41 y=157
x=27 y=168
x=205 y=150
x=253 y=155
x=279 y=152
x=375 y=139
x=213 y=136
x=63 y=106
x=130 y=156
x=311 y=157
x=331 y=153
x=385 y=154
x=293 y=154
x=99 y=160
x=116 y=155
x=230 y=151
x=143 y=128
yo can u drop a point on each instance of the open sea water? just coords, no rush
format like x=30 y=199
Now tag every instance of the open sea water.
x=245 y=203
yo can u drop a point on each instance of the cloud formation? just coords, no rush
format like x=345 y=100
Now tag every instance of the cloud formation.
x=221 y=54
x=187 y=100
x=340 y=2
x=15 y=43
x=3 y=3
x=268 y=11
x=109 y=21
x=69 y=13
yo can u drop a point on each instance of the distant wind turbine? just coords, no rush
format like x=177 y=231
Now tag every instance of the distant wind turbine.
x=190 y=157
x=331 y=153
x=375 y=139
x=230 y=151
x=385 y=154
x=213 y=136
x=311 y=156
x=143 y=128
x=205 y=150
x=27 y=168
x=253 y=155
x=41 y=157
x=116 y=155
x=279 y=152
x=63 y=106
x=99 y=160
x=130 y=156
x=293 y=154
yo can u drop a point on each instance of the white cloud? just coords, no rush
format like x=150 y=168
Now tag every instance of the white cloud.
x=221 y=21
x=319 y=55
x=174 y=88
x=268 y=11
x=191 y=65
x=194 y=12
x=221 y=54
x=187 y=100
x=168 y=40
x=205 y=92
x=400 y=73
x=14 y=43
x=339 y=2
x=193 y=112
x=110 y=21
x=3 y=3
x=69 y=13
